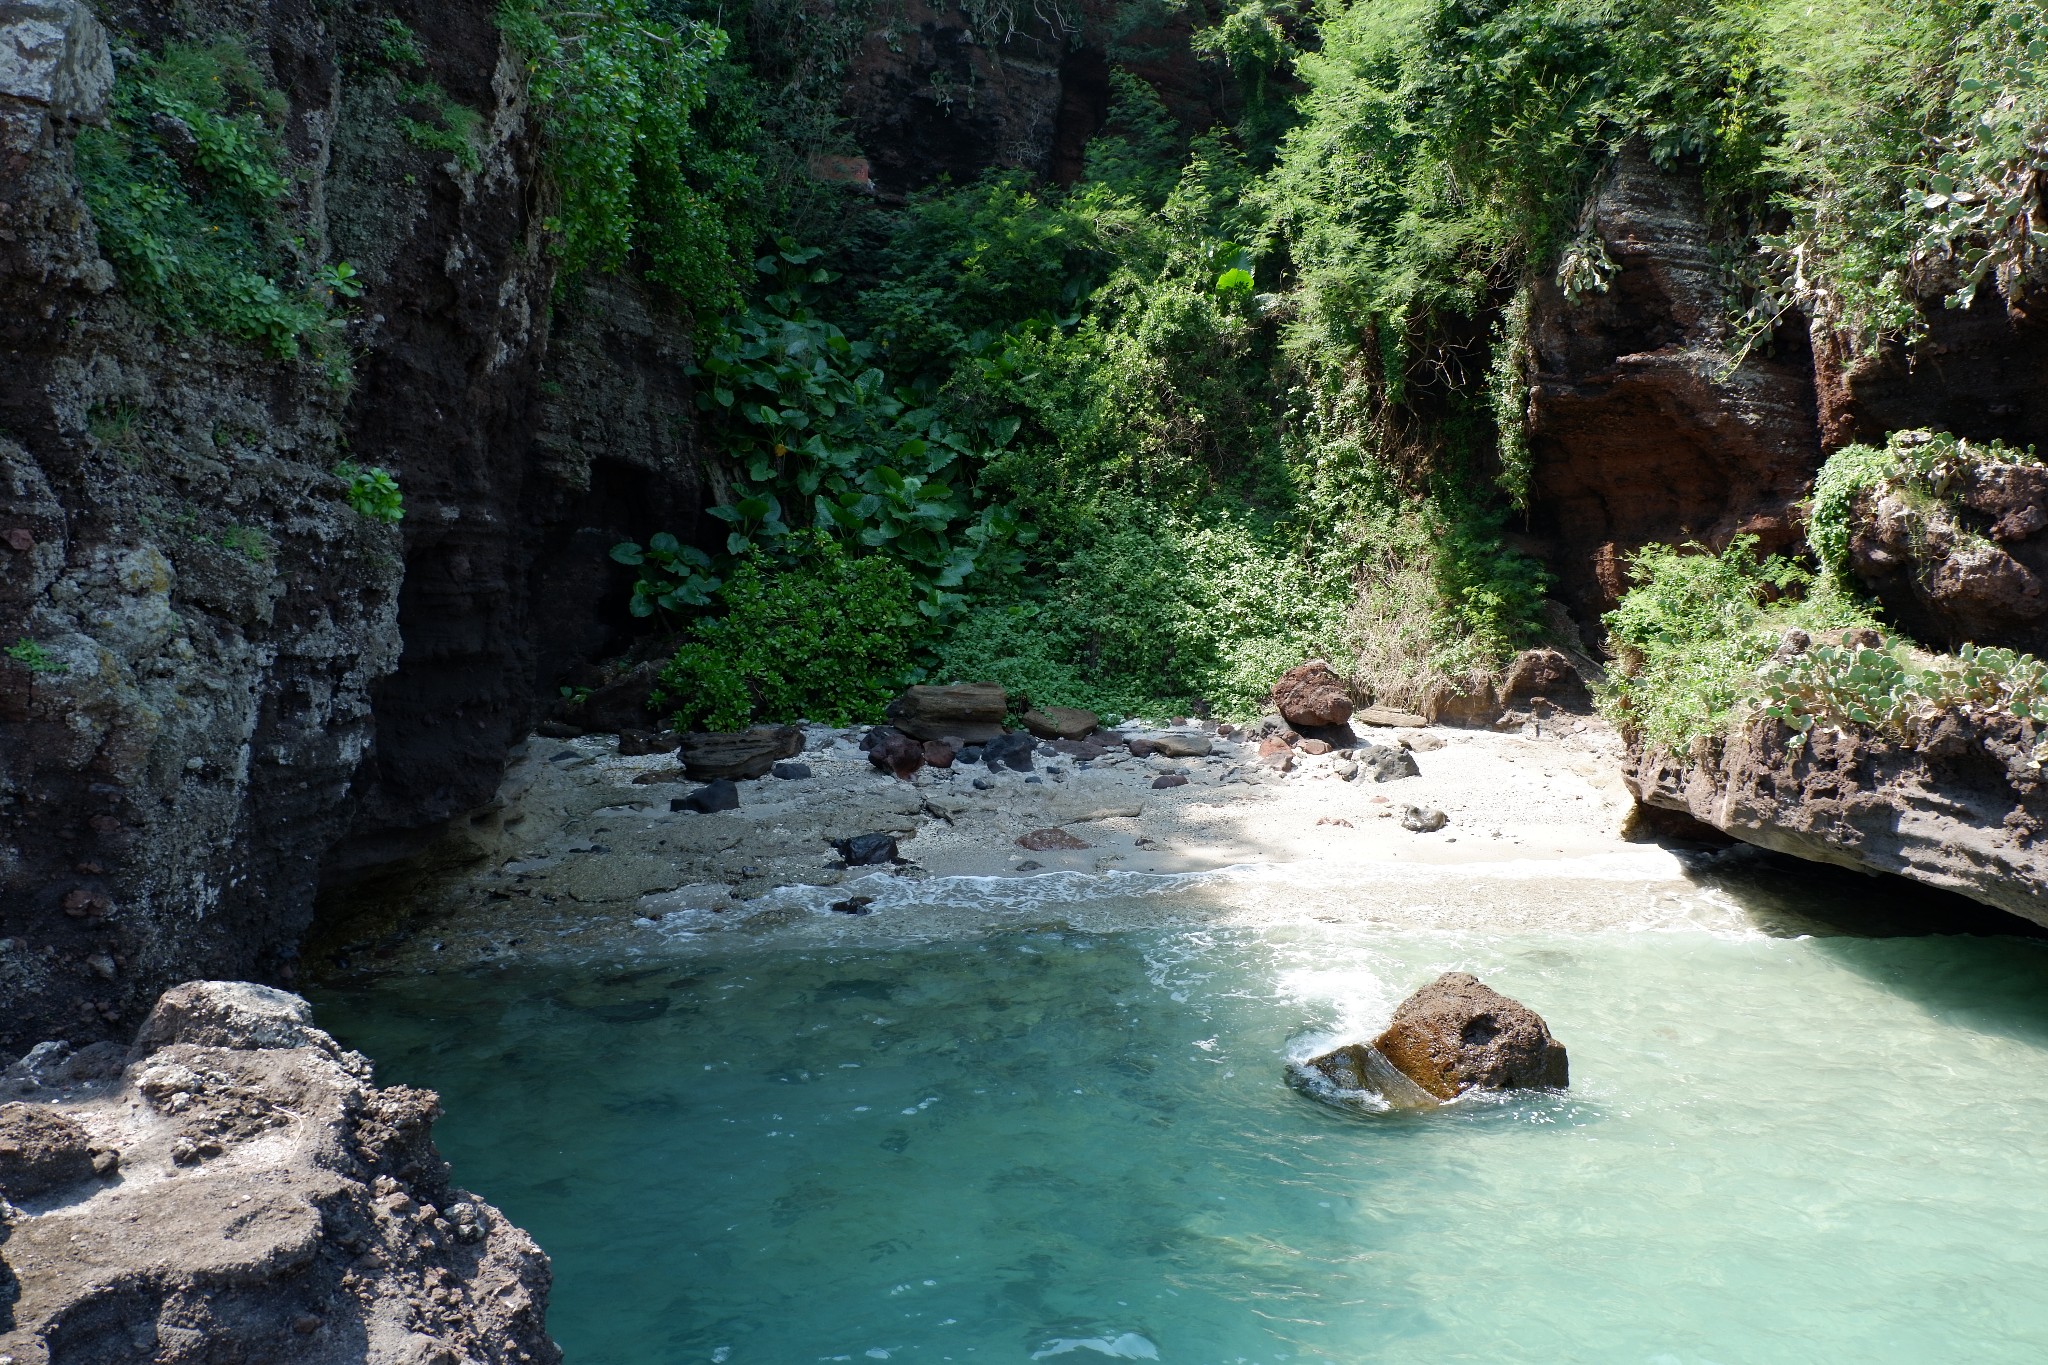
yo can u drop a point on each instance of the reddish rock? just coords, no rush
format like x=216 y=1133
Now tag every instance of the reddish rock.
x=1143 y=748
x=1275 y=745
x=970 y=712
x=1467 y=703
x=1457 y=1034
x=895 y=752
x=707 y=757
x=1639 y=428
x=1548 y=674
x=1312 y=694
x=938 y=753
x=1315 y=746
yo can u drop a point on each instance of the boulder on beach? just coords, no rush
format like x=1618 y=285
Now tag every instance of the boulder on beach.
x=894 y=752
x=1546 y=674
x=740 y=754
x=1009 y=751
x=1467 y=703
x=1312 y=694
x=970 y=712
x=1061 y=722
x=1384 y=763
x=1172 y=744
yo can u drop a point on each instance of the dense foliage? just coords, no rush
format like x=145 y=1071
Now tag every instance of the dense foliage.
x=1924 y=467
x=820 y=636
x=189 y=185
x=1244 y=394
x=1695 y=629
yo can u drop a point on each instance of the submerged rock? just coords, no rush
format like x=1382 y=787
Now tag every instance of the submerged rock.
x=1455 y=1034
x=1458 y=1034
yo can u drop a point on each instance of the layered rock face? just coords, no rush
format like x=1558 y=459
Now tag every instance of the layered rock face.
x=1961 y=807
x=1641 y=427
x=240 y=676
x=235 y=1187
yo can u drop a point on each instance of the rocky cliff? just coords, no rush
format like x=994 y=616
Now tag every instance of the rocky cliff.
x=228 y=677
x=1962 y=807
x=235 y=1187
x=1642 y=425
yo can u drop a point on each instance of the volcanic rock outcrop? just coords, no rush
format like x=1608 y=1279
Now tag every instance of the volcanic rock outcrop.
x=1960 y=805
x=268 y=1202
x=1453 y=1035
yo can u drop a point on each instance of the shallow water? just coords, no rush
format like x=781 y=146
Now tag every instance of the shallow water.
x=1051 y=1143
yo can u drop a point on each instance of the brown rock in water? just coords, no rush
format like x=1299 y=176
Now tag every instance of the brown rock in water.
x=1457 y=1034
x=971 y=712
x=1548 y=674
x=739 y=754
x=1468 y=703
x=895 y=752
x=1061 y=722
x=1045 y=840
x=40 y=1150
x=1312 y=694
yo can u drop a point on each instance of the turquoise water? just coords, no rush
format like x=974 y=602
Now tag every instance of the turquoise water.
x=1046 y=1144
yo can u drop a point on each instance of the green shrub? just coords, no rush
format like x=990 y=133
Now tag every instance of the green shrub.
x=1695 y=628
x=820 y=636
x=371 y=491
x=37 y=659
x=1883 y=687
x=617 y=84
x=1925 y=465
x=189 y=184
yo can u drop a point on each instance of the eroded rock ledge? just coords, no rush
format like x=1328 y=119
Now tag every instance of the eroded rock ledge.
x=235 y=1187
x=1962 y=808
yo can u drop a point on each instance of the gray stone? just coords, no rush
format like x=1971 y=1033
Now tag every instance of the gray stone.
x=791 y=772
x=233 y=1014
x=55 y=53
x=1423 y=819
x=710 y=798
x=1384 y=763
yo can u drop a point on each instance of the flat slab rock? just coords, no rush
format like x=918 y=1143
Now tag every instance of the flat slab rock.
x=270 y=1203
x=742 y=754
x=971 y=712
x=1454 y=1035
